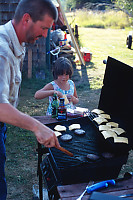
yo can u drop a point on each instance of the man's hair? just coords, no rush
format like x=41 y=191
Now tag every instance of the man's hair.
x=36 y=9
x=62 y=66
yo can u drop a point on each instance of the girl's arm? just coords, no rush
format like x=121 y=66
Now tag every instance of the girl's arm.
x=47 y=91
x=74 y=98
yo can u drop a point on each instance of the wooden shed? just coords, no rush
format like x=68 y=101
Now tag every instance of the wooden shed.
x=35 y=54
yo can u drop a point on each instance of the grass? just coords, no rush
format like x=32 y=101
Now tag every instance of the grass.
x=103 y=43
x=100 y=19
x=21 y=165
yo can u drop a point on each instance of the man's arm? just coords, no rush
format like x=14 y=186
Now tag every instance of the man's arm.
x=11 y=115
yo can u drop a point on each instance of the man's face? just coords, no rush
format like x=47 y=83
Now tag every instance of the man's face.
x=38 y=29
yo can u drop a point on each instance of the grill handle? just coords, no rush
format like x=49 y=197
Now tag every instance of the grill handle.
x=65 y=151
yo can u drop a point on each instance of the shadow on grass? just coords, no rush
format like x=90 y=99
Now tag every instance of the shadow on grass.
x=80 y=76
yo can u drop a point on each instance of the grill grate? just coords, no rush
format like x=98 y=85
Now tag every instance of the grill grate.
x=80 y=145
x=91 y=117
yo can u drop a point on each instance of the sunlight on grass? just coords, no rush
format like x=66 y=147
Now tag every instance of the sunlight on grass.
x=34 y=107
x=106 y=42
x=103 y=43
x=97 y=19
x=95 y=83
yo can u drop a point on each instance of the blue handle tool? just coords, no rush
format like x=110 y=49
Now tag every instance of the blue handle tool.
x=99 y=185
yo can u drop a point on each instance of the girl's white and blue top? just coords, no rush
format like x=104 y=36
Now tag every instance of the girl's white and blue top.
x=57 y=88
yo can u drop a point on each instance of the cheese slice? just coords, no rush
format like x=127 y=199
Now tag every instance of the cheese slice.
x=100 y=120
x=74 y=126
x=65 y=99
x=121 y=140
x=113 y=124
x=108 y=134
x=60 y=128
x=97 y=111
x=118 y=130
x=106 y=116
x=57 y=133
x=104 y=127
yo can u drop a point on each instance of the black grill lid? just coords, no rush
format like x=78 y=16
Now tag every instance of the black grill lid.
x=116 y=96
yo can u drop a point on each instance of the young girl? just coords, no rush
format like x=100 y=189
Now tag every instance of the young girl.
x=62 y=85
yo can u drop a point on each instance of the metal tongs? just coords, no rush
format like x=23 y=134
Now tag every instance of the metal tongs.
x=81 y=158
x=96 y=186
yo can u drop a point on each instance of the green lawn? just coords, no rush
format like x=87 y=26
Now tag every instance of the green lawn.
x=106 y=42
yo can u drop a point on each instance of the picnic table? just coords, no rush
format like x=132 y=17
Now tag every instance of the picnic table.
x=72 y=192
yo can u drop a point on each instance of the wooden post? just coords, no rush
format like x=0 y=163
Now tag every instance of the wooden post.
x=29 y=63
x=76 y=32
x=48 y=49
x=72 y=35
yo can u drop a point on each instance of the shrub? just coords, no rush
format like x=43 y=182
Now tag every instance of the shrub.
x=100 y=19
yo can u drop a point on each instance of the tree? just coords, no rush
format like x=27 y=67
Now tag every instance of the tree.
x=70 y=4
x=125 y=5
x=80 y=3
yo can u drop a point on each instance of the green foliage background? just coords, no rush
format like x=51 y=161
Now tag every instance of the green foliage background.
x=125 y=5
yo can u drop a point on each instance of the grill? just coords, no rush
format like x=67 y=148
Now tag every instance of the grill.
x=116 y=98
x=116 y=95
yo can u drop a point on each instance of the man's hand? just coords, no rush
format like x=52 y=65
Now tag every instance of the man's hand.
x=46 y=137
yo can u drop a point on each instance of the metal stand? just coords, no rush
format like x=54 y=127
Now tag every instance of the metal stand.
x=40 y=151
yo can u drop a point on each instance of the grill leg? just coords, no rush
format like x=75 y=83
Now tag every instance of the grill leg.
x=39 y=171
x=40 y=188
x=53 y=194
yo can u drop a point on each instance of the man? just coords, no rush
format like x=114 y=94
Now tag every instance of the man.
x=31 y=21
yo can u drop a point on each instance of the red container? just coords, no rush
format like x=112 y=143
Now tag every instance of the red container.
x=87 y=56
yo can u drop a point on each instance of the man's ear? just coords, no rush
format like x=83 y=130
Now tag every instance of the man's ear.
x=26 y=19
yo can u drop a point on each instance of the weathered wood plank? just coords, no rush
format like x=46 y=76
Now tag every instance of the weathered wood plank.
x=7 y=10
x=29 y=63
x=73 y=191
